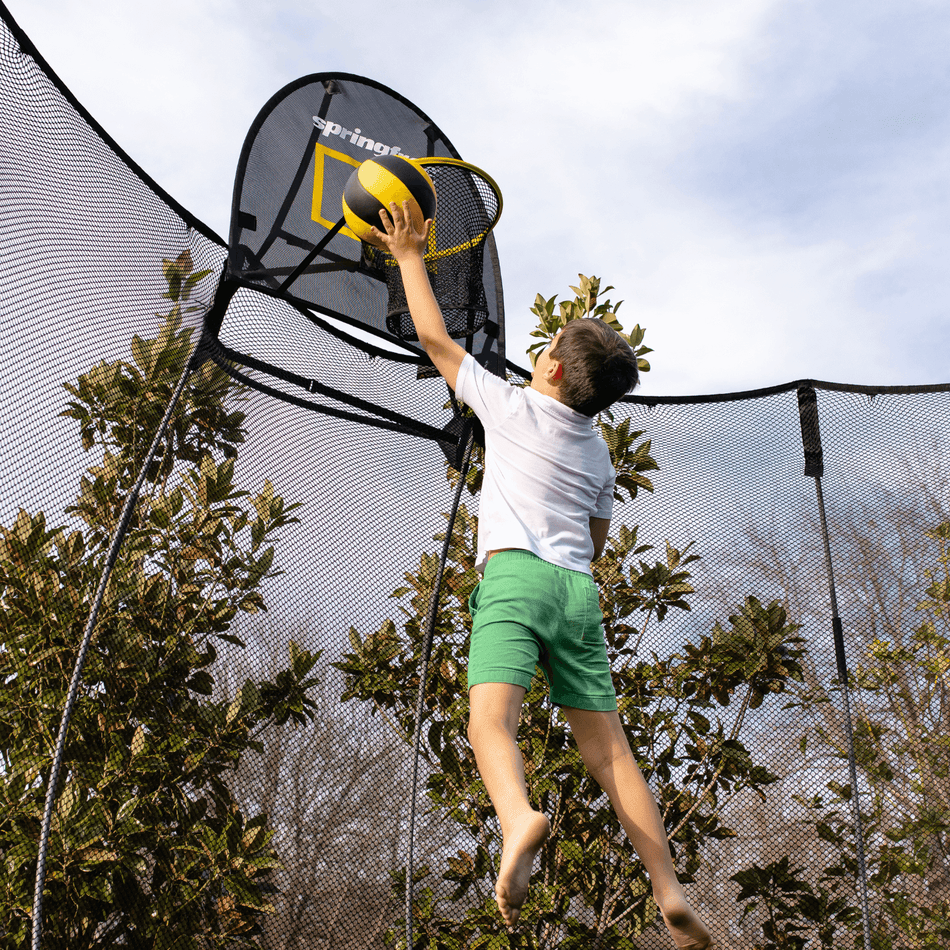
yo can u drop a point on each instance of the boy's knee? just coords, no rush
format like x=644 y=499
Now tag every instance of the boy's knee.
x=476 y=728
x=483 y=727
x=601 y=758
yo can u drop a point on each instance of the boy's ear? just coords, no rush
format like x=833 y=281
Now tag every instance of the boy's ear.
x=559 y=372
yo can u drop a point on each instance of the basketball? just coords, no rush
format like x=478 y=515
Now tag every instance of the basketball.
x=376 y=183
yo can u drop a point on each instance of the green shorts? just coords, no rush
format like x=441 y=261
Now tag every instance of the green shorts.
x=527 y=612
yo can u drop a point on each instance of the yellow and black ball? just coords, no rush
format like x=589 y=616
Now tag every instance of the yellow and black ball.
x=379 y=181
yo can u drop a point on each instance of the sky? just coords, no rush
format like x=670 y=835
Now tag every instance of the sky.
x=764 y=182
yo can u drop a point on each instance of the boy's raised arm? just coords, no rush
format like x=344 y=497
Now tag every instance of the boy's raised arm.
x=407 y=246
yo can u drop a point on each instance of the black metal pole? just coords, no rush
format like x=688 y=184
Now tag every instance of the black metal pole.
x=815 y=467
x=838 y=635
x=423 y=675
x=111 y=558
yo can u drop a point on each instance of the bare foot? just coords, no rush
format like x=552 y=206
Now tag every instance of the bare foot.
x=685 y=927
x=517 y=856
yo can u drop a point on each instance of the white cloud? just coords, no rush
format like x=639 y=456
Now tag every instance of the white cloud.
x=772 y=166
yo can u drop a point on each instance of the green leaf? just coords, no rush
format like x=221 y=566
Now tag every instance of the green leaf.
x=138 y=742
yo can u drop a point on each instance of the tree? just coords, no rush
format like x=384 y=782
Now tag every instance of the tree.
x=684 y=715
x=892 y=567
x=899 y=688
x=322 y=789
x=149 y=848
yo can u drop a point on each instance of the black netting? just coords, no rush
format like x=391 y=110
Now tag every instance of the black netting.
x=235 y=776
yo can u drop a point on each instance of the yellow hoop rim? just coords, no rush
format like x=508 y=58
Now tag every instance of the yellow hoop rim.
x=389 y=260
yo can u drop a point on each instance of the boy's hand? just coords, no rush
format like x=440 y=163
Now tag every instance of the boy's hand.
x=403 y=235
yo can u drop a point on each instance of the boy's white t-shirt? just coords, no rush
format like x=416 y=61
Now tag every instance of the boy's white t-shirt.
x=547 y=472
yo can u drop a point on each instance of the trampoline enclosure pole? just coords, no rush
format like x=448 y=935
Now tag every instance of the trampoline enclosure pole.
x=815 y=468
x=423 y=675
x=841 y=661
x=111 y=558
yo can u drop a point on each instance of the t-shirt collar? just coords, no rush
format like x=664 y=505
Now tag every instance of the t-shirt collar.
x=557 y=408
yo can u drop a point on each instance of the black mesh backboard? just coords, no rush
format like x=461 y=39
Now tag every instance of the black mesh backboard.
x=296 y=161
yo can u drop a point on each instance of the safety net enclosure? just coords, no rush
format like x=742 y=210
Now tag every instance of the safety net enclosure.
x=238 y=776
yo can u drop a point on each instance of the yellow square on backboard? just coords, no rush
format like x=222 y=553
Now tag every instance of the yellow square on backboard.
x=320 y=155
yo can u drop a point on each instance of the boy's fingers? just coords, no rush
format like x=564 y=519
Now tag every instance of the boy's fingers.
x=399 y=218
x=407 y=212
x=401 y=214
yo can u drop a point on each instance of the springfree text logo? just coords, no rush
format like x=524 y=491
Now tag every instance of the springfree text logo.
x=355 y=137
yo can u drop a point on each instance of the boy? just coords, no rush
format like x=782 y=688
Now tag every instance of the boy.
x=543 y=516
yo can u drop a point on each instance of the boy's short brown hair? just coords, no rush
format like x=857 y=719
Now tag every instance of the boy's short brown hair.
x=599 y=366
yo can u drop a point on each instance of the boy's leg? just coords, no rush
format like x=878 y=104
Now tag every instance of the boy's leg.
x=609 y=759
x=493 y=732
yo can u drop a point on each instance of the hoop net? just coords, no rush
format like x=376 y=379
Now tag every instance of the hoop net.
x=469 y=206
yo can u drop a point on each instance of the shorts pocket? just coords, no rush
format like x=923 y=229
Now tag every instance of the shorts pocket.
x=584 y=610
x=473 y=600
x=594 y=617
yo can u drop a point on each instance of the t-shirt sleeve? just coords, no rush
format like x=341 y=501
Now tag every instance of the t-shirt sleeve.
x=489 y=396
x=605 y=500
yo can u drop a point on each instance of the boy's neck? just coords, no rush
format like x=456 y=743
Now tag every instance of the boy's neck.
x=547 y=375
x=541 y=385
